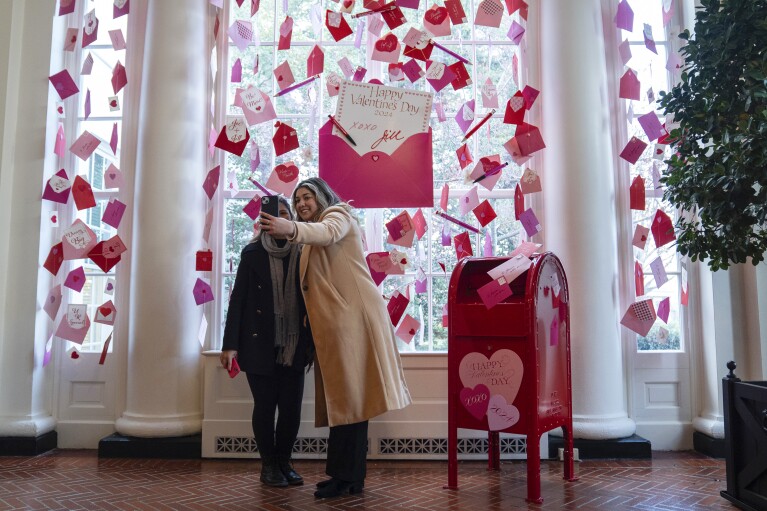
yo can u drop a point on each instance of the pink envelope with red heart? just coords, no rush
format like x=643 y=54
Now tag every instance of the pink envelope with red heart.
x=408 y=328
x=436 y=21
x=256 y=105
x=105 y=313
x=387 y=49
x=283 y=178
x=403 y=179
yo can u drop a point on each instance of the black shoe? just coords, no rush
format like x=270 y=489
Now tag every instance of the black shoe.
x=326 y=482
x=271 y=475
x=293 y=477
x=336 y=488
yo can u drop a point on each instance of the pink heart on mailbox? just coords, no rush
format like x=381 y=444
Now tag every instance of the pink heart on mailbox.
x=476 y=400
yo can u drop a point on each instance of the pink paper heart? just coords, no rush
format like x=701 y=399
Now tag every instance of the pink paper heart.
x=500 y=414
x=375 y=157
x=502 y=372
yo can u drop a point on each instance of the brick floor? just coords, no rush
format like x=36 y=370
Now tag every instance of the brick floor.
x=79 y=480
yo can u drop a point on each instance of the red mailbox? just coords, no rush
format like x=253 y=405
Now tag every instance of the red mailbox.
x=509 y=366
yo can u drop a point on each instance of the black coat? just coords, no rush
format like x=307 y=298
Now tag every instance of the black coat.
x=250 y=319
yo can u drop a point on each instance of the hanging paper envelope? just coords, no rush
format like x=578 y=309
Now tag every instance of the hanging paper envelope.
x=386 y=49
x=233 y=137
x=436 y=20
x=58 y=187
x=393 y=155
x=74 y=324
x=256 y=106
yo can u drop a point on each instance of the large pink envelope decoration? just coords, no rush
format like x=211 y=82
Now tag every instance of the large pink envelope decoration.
x=394 y=158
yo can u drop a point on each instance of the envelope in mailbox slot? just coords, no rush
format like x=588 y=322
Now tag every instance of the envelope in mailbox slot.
x=391 y=165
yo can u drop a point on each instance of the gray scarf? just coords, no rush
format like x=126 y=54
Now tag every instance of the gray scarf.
x=286 y=321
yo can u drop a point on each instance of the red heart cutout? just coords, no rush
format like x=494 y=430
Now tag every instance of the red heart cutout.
x=53 y=219
x=60 y=109
x=112 y=175
x=644 y=238
x=412 y=331
x=75 y=278
x=435 y=15
x=387 y=44
x=286 y=173
x=75 y=355
x=74 y=39
x=403 y=261
x=279 y=78
x=105 y=311
x=258 y=108
x=348 y=3
x=487 y=164
x=113 y=103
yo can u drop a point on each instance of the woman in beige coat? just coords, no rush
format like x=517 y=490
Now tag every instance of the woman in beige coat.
x=358 y=374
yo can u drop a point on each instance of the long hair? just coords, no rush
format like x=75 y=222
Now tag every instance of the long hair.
x=285 y=202
x=323 y=194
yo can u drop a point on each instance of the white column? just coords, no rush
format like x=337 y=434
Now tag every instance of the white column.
x=580 y=210
x=25 y=48
x=164 y=363
x=761 y=287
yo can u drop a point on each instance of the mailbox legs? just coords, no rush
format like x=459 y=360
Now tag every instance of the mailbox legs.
x=568 y=454
x=452 y=448
x=493 y=450
x=534 y=469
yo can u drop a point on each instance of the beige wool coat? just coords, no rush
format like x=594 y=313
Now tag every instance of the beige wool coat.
x=358 y=374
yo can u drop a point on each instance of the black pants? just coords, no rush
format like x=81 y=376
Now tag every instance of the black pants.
x=347 y=452
x=280 y=392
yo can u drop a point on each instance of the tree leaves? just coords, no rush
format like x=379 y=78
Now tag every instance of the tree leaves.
x=719 y=166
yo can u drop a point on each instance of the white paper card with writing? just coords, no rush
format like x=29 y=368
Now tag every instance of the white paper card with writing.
x=381 y=118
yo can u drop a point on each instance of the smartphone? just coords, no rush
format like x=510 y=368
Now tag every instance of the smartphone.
x=270 y=205
x=235 y=368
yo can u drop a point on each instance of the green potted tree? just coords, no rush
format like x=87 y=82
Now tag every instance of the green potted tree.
x=718 y=172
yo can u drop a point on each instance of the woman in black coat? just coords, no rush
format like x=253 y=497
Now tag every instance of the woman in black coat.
x=267 y=331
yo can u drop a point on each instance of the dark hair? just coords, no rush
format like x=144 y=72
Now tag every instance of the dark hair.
x=323 y=194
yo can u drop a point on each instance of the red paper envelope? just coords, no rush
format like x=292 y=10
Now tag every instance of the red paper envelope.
x=462 y=244
x=629 y=86
x=235 y=370
x=120 y=8
x=514 y=5
x=394 y=18
x=210 y=185
x=119 y=78
x=283 y=178
x=234 y=137
x=82 y=194
x=638 y=279
x=515 y=109
x=455 y=11
x=519 y=202
x=204 y=260
x=397 y=305
x=315 y=62
x=63 y=83
x=462 y=77
x=662 y=229
x=253 y=208
x=57 y=188
x=484 y=213
x=408 y=328
x=436 y=21
x=464 y=156
x=337 y=25
x=286 y=34
x=103 y=257
x=637 y=194
x=55 y=259
x=633 y=150
x=421 y=51
x=106 y=313
x=529 y=139
x=419 y=222
x=78 y=240
x=403 y=180
x=529 y=94
x=285 y=139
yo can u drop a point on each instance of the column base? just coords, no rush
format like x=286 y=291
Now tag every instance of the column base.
x=179 y=447
x=708 y=445
x=28 y=445
x=633 y=447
